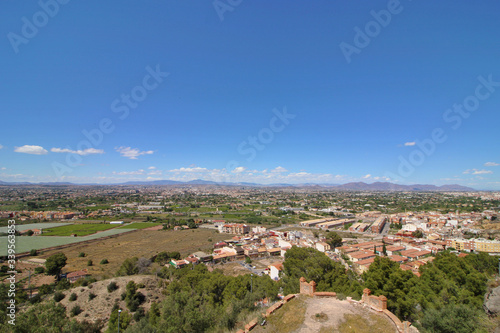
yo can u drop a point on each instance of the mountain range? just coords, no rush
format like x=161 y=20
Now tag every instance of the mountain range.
x=354 y=186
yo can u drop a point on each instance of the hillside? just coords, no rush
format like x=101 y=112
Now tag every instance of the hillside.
x=100 y=306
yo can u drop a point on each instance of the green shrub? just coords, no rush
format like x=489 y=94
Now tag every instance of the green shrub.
x=89 y=263
x=35 y=299
x=104 y=261
x=59 y=296
x=33 y=253
x=81 y=255
x=39 y=270
x=73 y=297
x=45 y=289
x=92 y=296
x=112 y=286
x=75 y=311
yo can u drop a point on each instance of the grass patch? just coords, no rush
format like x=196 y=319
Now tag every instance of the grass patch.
x=139 y=225
x=372 y=323
x=287 y=319
x=78 y=229
x=320 y=317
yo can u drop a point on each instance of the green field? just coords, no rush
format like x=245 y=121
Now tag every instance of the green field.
x=78 y=229
x=139 y=225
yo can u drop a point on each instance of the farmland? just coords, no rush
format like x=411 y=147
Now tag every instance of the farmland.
x=43 y=225
x=139 y=225
x=140 y=243
x=78 y=229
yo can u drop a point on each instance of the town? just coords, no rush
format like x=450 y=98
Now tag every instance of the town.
x=238 y=230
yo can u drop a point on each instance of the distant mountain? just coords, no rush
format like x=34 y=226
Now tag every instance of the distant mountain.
x=355 y=186
x=151 y=182
x=385 y=186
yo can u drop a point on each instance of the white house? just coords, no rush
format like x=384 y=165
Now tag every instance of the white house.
x=274 y=271
x=323 y=247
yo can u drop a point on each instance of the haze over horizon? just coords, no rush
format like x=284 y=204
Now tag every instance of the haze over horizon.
x=278 y=92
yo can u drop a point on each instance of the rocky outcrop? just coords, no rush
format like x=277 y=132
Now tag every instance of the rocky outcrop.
x=492 y=302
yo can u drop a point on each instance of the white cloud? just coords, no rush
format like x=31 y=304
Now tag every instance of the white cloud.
x=132 y=153
x=1 y=146
x=412 y=143
x=367 y=176
x=279 y=169
x=129 y=173
x=491 y=164
x=477 y=172
x=155 y=172
x=194 y=169
x=151 y=168
x=239 y=169
x=84 y=152
x=3 y=168
x=29 y=149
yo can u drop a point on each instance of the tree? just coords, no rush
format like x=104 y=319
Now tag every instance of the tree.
x=128 y=267
x=458 y=318
x=125 y=319
x=334 y=239
x=418 y=234
x=55 y=264
x=143 y=264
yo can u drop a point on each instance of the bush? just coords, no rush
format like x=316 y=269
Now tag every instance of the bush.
x=92 y=296
x=104 y=261
x=59 y=296
x=63 y=284
x=39 y=270
x=139 y=314
x=33 y=253
x=73 y=297
x=75 y=311
x=45 y=289
x=81 y=255
x=35 y=299
x=112 y=286
x=89 y=263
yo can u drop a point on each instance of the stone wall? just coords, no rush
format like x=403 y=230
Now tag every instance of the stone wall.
x=307 y=288
x=379 y=303
x=376 y=302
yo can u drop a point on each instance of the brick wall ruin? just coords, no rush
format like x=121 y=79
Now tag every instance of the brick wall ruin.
x=377 y=302
x=307 y=288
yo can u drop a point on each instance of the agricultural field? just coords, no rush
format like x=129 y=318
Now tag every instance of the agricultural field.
x=27 y=243
x=42 y=225
x=138 y=243
x=139 y=225
x=78 y=229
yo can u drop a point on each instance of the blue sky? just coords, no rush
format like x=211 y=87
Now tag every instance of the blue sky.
x=257 y=91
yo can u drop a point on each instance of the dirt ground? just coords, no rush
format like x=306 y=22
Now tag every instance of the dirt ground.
x=141 y=243
x=336 y=312
x=326 y=315
x=36 y=280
